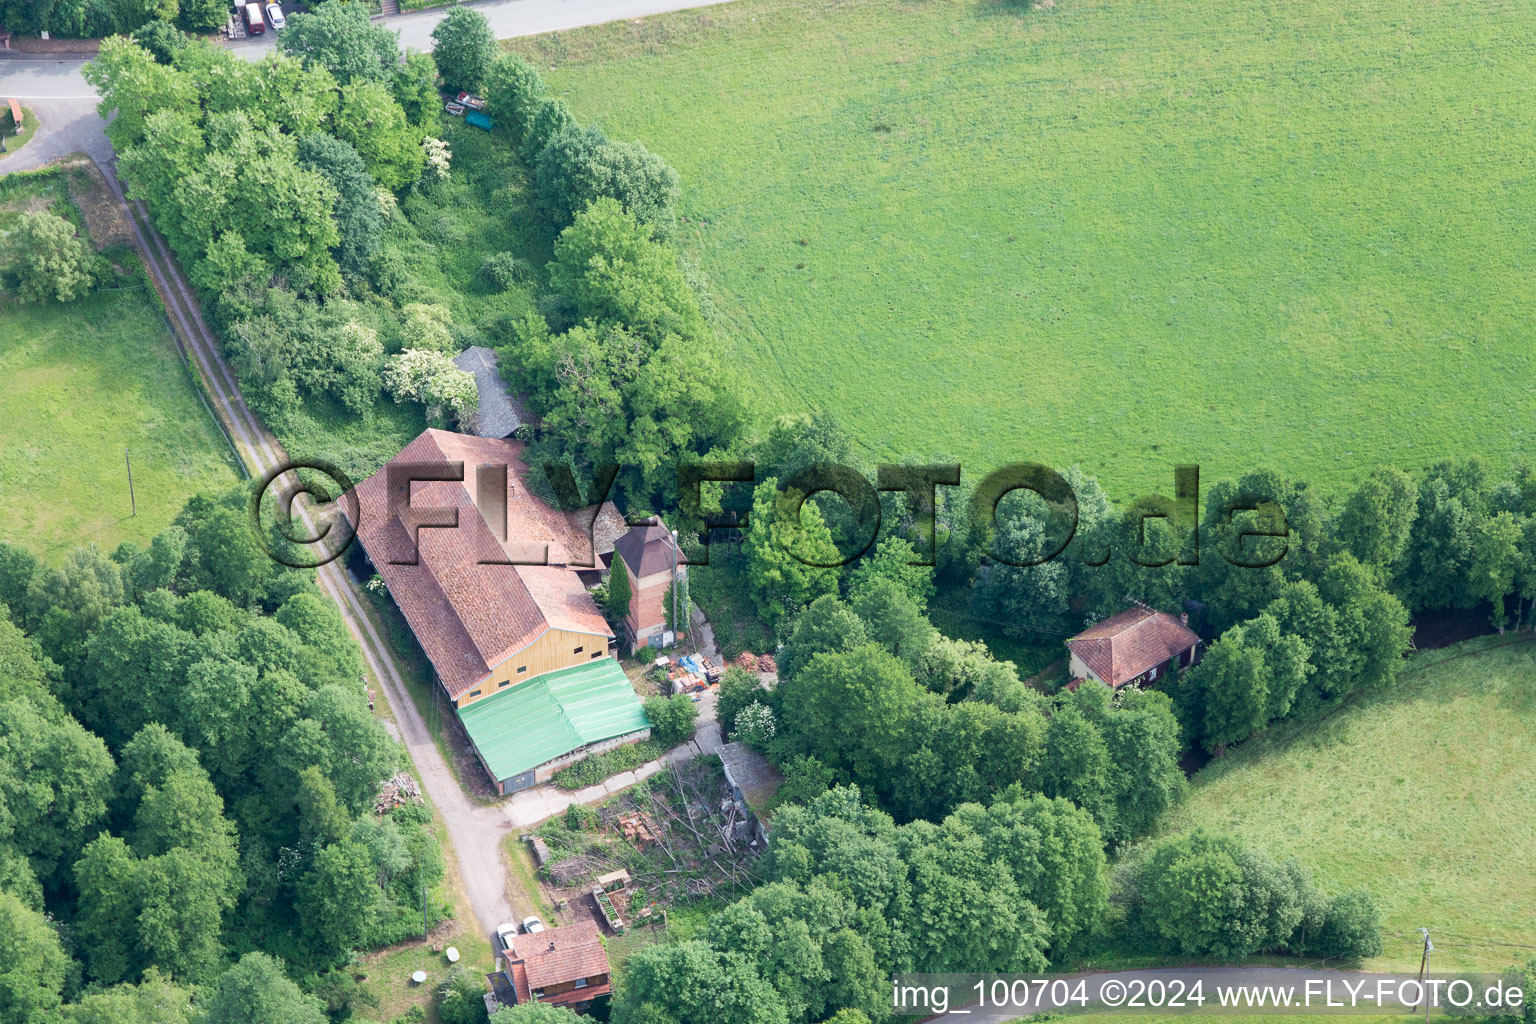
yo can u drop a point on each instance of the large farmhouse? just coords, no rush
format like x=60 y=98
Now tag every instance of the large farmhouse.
x=498 y=602
x=1134 y=647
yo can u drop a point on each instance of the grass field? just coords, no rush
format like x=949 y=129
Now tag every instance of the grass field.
x=14 y=140
x=84 y=381
x=1118 y=233
x=1423 y=796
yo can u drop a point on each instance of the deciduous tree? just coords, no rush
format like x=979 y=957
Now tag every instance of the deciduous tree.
x=33 y=965
x=464 y=48
x=51 y=261
x=578 y=166
x=780 y=556
x=343 y=39
x=257 y=991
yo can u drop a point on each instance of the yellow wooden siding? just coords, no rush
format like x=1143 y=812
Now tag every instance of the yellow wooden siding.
x=556 y=649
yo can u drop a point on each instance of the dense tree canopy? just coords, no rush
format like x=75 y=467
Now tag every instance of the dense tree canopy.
x=226 y=804
x=577 y=166
x=256 y=991
x=464 y=48
x=638 y=381
x=32 y=964
x=50 y=260
x=343 y=39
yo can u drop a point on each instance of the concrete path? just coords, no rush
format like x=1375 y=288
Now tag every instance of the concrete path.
x=532 y=806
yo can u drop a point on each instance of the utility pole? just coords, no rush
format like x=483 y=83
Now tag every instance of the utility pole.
x=1429 y=947
x=132 y=501
x=675 y=624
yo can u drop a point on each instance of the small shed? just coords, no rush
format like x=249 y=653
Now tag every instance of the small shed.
x=753 y=782
x=16 y=113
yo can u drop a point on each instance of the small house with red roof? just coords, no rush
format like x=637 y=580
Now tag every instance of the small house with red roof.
x=566 y=966
x=1135 y=647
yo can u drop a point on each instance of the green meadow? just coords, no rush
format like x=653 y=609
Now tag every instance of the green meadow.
x=1121 y=234
x=1423 y=796
x=82 y=383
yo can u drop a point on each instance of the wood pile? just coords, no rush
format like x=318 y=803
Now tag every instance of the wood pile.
x=540 y=850
x=397 y=791
x=572 y=870
x=755 y=662
x=637 y=828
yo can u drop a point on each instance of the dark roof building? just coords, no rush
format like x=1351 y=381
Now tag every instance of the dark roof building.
x=498 y=414
x=647 y=549
x=1134 y=646
x=648 y=554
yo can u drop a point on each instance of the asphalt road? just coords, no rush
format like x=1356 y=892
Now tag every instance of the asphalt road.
x=65 y=103
x=511 y=18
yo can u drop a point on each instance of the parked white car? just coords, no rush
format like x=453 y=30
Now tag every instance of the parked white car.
x=506 y=933
x=532 y=925
x=275 y=16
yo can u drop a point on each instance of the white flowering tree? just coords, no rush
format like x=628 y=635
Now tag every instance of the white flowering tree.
x=438 y=159
x=429 y=377
x=755 y=725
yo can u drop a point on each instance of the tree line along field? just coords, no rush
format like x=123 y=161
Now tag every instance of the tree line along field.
x=1110 y=233
x=84 y=381
x=1421 y=795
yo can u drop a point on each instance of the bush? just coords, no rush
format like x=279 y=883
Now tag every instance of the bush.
x=805 y=779
x=601 y=767
x=1352 y=927
x=502 y=270
x=738 y=689
x=581 y=818
x=462 y=998
x=50 y=260
x=428 y=326
x=756 y=726
x=671 y=718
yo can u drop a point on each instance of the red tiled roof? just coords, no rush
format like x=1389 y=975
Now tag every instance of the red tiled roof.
x=469 y=616
x=1124 y=646
x=577 y=954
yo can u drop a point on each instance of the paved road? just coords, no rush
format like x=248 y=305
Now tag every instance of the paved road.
x=510 y=18
x=64 y=101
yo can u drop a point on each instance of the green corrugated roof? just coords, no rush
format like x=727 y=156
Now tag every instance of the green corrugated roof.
x=529 y=723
